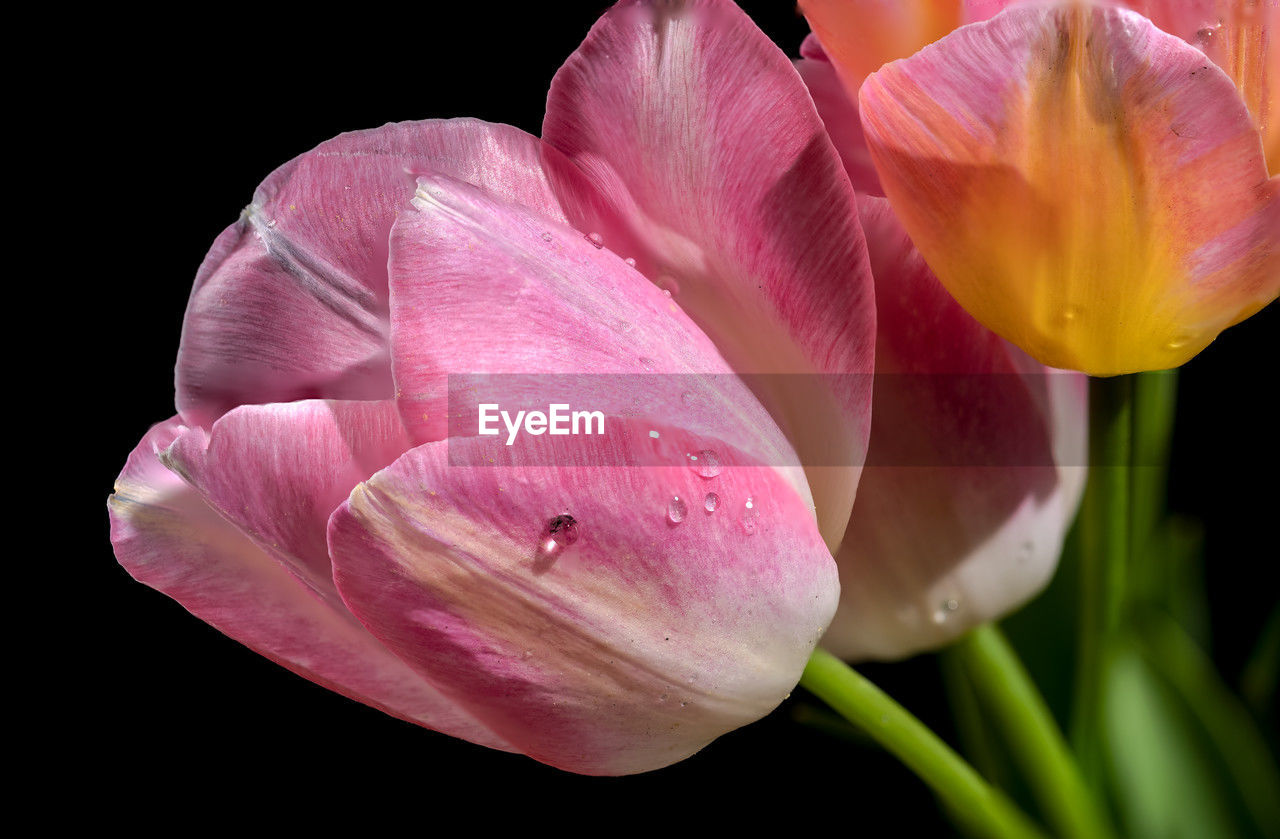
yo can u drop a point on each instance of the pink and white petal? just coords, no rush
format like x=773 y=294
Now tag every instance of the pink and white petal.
x=979 y=141
x=277 y=472
x=168 y=538
x=481 y=288
x=839 y=112
x=291 y=302
x=974 y=471
x=624 y=650
x=705 y=151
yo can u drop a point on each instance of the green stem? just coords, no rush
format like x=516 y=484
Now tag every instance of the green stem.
x=1104 y=557
x=981 y=808
x=1031 y=733
x=1154 y=400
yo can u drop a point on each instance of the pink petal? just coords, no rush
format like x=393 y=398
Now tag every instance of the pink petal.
x=839 y=112
x=1240 y=37
x=712 y=170
x=277 y=472
x=481 y=287
x=980 y=141
x=168 y=538
x=291 y=302
x=974 y=472
x=626 y=649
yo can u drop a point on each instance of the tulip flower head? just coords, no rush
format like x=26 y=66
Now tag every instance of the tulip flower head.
x=684 y=215
x=1087 y=185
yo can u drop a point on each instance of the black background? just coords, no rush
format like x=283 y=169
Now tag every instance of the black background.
x=175 y=120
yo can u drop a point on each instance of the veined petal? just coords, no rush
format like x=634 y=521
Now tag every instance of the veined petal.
x=710 y=168
x=839 y=112
x=1085 y=185
x=167 y=537
x=480 y=286
x=626 y=649
x=1240 y=37
x=974 y=472
x=291 y=302
x=277 y=472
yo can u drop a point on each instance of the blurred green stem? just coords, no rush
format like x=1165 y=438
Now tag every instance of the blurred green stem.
x=984 y=810
x=1154 y=399
x=1105 y=519
x=1005 y=688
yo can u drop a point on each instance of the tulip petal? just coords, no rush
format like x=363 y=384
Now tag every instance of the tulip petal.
x=623 y=651
x=711 y=169
x=291 y=302
x=1086 y=186
x=861 y=36
x=974 y=472
x=277 y=472
x=839 y=114
x=1239 y=36
x=517 y=293
x=168 y=538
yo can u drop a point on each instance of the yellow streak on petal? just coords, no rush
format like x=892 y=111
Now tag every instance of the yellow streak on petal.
x=1072 y=231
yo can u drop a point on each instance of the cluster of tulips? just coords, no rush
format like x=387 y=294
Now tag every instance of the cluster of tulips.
x=922 y=238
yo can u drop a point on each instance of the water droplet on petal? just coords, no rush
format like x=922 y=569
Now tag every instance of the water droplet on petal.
x=1070 y=314
x=595 y=239
x=706 y=463
x=711 y=503
x=655 y=435
x=677 y=509
x=750 y=516
x=944 y=611
x=647 y=363
x=546 y=236
x=1179 y=342
x=561 y=532
x=669 y=285
x=271 y=223
x=631 y=261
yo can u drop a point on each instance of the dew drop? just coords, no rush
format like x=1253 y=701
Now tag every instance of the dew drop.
x=944 y=611
x=647 y=363
x=711 y=503
x=546 y=236
x=595 y=239
x=750 y=516
x=1179 y=342
x=561 y=532
x=271 y=223
x=669 y=285
x=677 y=509
x=706 y=463
x=1070 y=314
x=631 y=261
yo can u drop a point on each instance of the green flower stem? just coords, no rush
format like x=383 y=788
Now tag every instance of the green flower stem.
x=1005 y=688
x=980 y=807
x=1104 y=557
x=1154 y=400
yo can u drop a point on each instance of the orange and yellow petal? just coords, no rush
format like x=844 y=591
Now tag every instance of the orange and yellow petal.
x=1086 y=185
x=859 y=36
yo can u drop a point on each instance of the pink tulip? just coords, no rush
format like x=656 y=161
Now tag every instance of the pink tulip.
x=977 y=451
x=684 y=214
